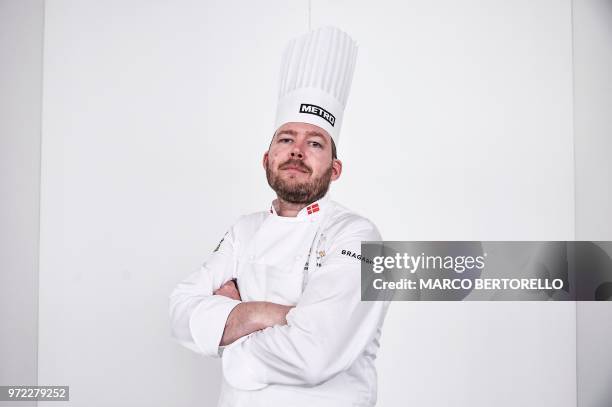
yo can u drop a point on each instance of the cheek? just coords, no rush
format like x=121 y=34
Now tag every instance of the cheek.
x=320 y=163
x=274 y=160
x=280 y=152
x=275 y=151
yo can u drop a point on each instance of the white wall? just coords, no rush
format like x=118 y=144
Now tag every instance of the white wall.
x=593 y=145
x=155 y=118
x=21 y=31
x=460 y=128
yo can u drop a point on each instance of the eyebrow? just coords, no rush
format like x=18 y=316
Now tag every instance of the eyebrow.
x=316 y=134
x=290 y=132
x=310 y=133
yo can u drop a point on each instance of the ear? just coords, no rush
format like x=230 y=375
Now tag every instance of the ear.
x=265 y=160
x=336 y=169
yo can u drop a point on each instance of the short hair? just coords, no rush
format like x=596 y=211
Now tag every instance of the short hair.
x=334 y=154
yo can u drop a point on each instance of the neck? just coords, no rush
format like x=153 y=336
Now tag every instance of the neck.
x=289 y=209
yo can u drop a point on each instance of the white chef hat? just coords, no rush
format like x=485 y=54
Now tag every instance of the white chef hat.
x=316 y=73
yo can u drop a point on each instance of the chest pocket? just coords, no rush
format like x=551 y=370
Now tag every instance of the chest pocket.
x=259 y=281
x=272 y=266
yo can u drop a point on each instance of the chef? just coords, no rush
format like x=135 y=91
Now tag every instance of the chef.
x=279 y=300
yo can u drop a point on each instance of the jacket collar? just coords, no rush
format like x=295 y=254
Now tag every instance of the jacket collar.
x=311 y=210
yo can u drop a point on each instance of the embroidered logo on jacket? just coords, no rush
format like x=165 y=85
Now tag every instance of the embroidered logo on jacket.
x=310 y=209
x=357 y=256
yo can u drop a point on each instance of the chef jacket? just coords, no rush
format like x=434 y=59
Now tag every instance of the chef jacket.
x=325 y=354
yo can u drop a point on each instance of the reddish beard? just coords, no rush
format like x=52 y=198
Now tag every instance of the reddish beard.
x=298 y=192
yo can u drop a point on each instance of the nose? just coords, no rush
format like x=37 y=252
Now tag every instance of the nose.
x=297 y=153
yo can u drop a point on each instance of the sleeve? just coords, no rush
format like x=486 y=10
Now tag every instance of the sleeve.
x=326 y=332
x=197 y=316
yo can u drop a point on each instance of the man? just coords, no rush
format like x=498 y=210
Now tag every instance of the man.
x=279 y=298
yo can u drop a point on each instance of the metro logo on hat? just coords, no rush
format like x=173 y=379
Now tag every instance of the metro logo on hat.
x=316 y=74
x=319 y=111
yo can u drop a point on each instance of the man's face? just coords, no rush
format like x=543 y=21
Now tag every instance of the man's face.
x=299 y=164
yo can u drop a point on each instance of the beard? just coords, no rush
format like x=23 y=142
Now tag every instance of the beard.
x=299 y=192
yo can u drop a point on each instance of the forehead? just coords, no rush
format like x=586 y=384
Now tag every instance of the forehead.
x=306 y=129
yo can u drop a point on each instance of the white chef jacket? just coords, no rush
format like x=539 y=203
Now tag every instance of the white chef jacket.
x=325 y=354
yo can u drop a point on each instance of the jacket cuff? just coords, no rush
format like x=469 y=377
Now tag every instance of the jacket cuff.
x=207 y=323
x=238 y=368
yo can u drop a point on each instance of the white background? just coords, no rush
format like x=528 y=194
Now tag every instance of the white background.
x=593 y=146
x=460 y=126
x=21 y=35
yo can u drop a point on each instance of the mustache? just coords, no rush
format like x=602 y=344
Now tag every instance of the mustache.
x=295 y=163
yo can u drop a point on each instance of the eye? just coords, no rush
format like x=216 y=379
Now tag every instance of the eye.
x=316 y=144
x=285 y=140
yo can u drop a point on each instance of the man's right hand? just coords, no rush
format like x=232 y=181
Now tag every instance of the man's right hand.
x=229 y=290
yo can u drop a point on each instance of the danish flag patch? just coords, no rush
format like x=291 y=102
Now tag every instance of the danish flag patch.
x=312 y=208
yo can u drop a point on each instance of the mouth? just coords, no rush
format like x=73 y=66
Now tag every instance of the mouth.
x=297 y=168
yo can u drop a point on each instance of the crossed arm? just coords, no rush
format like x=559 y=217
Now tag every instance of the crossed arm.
x=207 y=311
x=248 y=317
x=304 y=345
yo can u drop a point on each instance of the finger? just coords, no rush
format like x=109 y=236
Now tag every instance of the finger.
x=229 y=284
